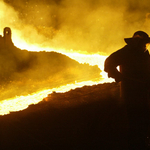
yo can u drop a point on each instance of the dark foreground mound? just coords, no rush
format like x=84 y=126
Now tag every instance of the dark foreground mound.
x=88 y=118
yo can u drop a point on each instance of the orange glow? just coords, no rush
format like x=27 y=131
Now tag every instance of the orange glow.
x=22 y=102
x=92 y=59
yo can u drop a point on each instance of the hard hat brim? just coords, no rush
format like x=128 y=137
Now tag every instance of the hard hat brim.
x=130 y=40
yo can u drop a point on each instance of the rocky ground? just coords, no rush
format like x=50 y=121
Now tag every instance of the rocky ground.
x=91 y=117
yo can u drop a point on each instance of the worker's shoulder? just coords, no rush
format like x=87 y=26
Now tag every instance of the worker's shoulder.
x=122 y=51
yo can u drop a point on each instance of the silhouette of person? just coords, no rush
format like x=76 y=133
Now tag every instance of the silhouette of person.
x=134 y=74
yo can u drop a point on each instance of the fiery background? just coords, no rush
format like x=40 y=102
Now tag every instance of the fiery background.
x=79 y=29
x=80 y=25
x=84 y=30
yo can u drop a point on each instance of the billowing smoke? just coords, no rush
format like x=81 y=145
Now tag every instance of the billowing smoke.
x=85 y=25
x=78 y=25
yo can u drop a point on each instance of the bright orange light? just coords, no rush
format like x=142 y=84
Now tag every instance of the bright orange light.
x=94 y=59
x=22 y=102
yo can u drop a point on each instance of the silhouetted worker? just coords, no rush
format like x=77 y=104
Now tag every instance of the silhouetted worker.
x=134 y=74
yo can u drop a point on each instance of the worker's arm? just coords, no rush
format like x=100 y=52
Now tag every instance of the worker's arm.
x=111 y=64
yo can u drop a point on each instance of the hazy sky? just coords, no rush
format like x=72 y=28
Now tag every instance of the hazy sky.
x=87 y=25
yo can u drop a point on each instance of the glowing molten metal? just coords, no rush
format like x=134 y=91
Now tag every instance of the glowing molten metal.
x=22 y=102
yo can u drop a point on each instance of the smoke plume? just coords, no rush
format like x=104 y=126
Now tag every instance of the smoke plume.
x=86 y=25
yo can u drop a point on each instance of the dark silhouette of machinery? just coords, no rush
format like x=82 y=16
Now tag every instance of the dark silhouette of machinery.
x=6 y=40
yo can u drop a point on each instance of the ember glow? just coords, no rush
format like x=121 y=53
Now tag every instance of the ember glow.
x=22 y=40
x=86 y=32
x=21 y=102
x=92 y=59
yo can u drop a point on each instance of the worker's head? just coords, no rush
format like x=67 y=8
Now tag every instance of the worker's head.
x=140 y=39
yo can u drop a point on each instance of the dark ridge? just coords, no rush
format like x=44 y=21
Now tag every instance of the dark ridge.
x=91 y=117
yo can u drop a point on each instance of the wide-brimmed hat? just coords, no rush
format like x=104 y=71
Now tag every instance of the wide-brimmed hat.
x=139 y=36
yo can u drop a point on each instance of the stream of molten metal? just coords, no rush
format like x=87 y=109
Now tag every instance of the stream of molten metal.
x=22 y=102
